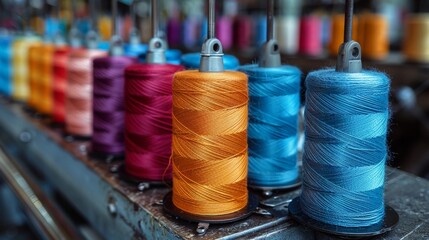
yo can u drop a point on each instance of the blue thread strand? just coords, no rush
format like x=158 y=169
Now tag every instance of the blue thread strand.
x=273 y=124
x=345 y=151
x=192 y=61
x=6 y=65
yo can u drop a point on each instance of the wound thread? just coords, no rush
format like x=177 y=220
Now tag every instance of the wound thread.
x=209 y=155
x=6 y=67
x=108 y=104
x=59 y=83
x=345 y=151
x=78 y=115
x=148 y=106
x=273 y=124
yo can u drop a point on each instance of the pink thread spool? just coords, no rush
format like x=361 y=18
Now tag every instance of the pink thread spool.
x=224 y=31
x=310 y=40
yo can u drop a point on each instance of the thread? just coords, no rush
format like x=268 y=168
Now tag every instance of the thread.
x=148 y=104
x=78 y=117
x=21 y=65
x=261 y=30
x=224 y=31
x=337 y=32
x=273 y=124
x=173 y=32
x=190 y=27
x=108 y=104
x=416 y=38
x=192 y=61
x=374 y=36
x=6 y=67
x=135 y=50
x=345 y=149
x=288 y=34
x=209 y=146
x=105 y=27
x=59 y=84
x=34 y=75
x=44 y=103
x=310 y=40
x=242 y=32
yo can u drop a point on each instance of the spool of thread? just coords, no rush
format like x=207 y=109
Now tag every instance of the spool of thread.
x=374 y=36
x=416 y=38
x=345 y=152
x=44 y=103
x=209 y=151
x=273 y=125
x=135 y=50
x=148 y=106
x=191 y=26
x=105 y=27
x=243 y=32
x=21 y=65
x=288 y=34
x=34 y=75
x=224 y=31
x=6 y=67
x=337 y=32
x=78 y=117
x=108 y=105
x=192 y=61
x=261 y=30
x=310 y=40
x=174 y=36
x=59 y=84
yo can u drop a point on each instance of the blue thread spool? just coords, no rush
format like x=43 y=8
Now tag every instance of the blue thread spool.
x=261 y=30
x=135 y=50
x=273 y=125
x=6 y=65
x=192 y=61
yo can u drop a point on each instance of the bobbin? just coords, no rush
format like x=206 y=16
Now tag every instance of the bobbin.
x=349 y=61
x=212 y=62
x=269 y=57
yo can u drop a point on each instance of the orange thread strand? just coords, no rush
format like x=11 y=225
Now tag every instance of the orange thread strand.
x=373 y=36
x=34 y=74
x=45 y=101
x=209 y=145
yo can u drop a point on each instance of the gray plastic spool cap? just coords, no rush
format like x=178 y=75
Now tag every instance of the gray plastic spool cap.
x=156 y=51
x=211 y=56
x=349 y=58
x=270 y=55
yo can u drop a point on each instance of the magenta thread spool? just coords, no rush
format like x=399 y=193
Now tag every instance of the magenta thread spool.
x=224 y=31
x=243 y=32
x=310 y=38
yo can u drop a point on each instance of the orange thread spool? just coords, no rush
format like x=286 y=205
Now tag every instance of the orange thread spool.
x=337 y=33
x=34 y=74
x=78 y=117
x=209 y=144
x=416 y=41
x=373 y=36
x=45 y=101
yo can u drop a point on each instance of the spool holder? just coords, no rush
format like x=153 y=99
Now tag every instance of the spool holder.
x=349 y=61
x=134 y=35
x=204 y=221
x=269 y=55
x=157 y=46
x=267 y=191
x=92 y=38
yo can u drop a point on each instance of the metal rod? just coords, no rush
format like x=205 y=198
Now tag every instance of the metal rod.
x=348 y=21
x=114 y=16
x=47 y=217
x=94 y=14
x=154 y=18
x=133 y=12
x=211 y=20
x=270 y=20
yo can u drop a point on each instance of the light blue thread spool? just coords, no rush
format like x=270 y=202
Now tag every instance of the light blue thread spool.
x=6 y=70
x=345 y=151
x=192 y=61
x=135 y=50
x=273 y=125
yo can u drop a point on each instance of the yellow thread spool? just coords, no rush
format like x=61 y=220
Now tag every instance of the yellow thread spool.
x=416 y=41
x=21 y=67
x=105 y=27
